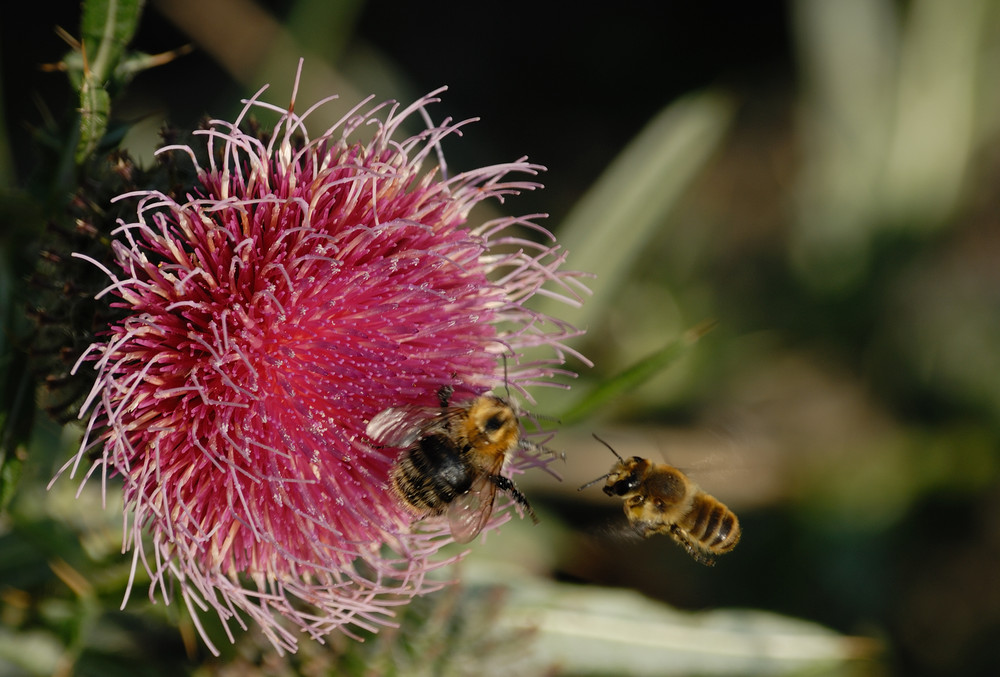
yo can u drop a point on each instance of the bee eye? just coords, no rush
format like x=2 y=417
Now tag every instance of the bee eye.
x=620 y=488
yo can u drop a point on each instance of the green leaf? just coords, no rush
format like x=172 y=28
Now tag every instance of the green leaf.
x=635 y=375
x=630 y=202
x=106 y=28
x=95 y=107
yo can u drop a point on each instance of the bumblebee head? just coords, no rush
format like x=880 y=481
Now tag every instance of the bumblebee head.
x=493 y=421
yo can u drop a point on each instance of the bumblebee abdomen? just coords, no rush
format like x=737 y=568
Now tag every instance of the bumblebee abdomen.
x=432 y=474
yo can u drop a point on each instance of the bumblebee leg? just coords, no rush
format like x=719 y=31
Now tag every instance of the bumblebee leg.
x=444 y=395
x=506 y=485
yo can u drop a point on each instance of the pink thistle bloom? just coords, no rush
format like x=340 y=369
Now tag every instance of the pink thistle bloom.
x=304 y=286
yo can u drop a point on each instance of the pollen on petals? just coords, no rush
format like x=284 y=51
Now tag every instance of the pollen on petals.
x=302 y=286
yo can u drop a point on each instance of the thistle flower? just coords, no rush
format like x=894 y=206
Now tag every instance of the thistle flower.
x=303 y=286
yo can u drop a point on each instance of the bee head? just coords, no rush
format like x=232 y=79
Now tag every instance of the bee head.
x=626 y=476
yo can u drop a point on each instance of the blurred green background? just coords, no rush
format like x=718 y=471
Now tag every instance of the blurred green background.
x=819 y=178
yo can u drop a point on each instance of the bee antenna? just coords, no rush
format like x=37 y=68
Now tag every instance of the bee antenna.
x=593 y=482
x=608 y=446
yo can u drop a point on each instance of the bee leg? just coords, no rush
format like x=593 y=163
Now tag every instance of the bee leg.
x=685 y=542
x=634 y=509
x=506 y=485
x=444 y=395
x=635 y=502
x=642 y=527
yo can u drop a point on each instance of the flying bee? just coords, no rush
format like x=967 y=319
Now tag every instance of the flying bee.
x=453 y=458
x=660 y=499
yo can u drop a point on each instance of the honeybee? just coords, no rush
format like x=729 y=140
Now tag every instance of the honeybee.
x=660 y=499
x=453 y=458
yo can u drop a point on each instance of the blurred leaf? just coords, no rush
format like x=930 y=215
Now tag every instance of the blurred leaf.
x=635 y=375
x=19 y=217
x=936 y=104
x=589 y=630
x=889 y=122
x=324 y=28
x=615 y=632
x=847 y=52
x=33 y=652
x=628 y=205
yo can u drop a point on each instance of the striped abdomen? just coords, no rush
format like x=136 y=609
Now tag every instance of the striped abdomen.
x=711 y=525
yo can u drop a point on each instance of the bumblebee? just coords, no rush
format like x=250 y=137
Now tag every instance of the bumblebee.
x=453 y=458
x=660 y=499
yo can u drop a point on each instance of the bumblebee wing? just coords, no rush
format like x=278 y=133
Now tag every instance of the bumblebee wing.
x=401 y=426
x=470 y=512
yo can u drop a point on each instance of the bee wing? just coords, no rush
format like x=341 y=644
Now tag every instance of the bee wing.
x=401 y=426
x=470 y=512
